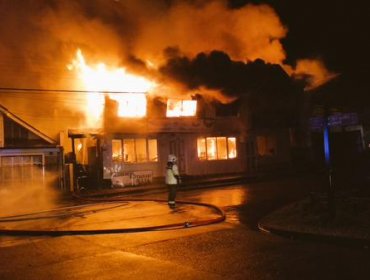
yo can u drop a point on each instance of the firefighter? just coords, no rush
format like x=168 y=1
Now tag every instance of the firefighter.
x=172 y=179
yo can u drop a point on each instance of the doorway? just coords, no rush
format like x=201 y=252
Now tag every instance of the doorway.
x=177 y=148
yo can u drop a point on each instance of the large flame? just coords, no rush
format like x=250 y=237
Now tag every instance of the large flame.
x=127 y=89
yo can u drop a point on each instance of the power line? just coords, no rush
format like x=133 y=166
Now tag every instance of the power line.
x=6 y=89
x=58 y=100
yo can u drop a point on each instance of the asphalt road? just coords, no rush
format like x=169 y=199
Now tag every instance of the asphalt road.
x=234 y=249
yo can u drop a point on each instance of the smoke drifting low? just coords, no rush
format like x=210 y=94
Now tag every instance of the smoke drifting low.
x=26 y=190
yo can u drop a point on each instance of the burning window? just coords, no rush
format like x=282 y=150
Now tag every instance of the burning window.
x=141 y=150
x=181 y=108
x=134 y=150
x=129 y=154
x=231 y=147
x=82 y=148
x=99 y=78
x=152 y=150
x=216 y=148
x=130 y=104
x=116 y=150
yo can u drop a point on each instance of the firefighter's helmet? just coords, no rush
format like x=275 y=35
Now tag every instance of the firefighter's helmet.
x=172 y=158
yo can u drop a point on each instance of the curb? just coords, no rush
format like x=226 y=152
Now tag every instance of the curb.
x=162 y=187
x=305 y=236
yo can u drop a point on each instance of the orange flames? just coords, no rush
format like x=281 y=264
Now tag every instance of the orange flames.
x=181 y=108
x=127 y=89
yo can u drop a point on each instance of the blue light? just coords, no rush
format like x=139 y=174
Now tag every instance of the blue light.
x=326 y=144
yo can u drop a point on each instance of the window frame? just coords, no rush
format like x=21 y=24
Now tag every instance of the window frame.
x=203 y=141
x=181 y=101
x=121 y=158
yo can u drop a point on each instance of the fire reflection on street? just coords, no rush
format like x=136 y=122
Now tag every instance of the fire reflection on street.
x=228 y=199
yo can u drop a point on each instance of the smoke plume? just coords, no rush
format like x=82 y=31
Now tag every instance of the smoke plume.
x=40 y=37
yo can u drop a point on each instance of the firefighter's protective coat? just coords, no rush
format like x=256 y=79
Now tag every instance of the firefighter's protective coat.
x=172 y=171
x=172 y=174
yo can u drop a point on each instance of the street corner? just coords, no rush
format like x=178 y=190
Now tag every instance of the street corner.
x=306 y=219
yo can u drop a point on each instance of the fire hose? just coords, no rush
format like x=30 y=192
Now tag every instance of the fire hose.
x=48 y=214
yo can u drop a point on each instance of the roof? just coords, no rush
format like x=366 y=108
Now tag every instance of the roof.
x=26 y=125
x=83 y=133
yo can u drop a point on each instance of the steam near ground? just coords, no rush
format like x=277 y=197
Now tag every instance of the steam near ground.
x=27 y=189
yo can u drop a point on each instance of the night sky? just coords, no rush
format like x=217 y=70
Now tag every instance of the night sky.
x=335 y=31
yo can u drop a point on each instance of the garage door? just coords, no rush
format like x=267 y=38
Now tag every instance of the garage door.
x=21 y=160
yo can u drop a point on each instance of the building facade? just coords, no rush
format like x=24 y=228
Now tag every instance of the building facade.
x=131 y=151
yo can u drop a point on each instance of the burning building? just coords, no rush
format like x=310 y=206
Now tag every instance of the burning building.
x=136 y=149
x=166 y=66
x=134 y=132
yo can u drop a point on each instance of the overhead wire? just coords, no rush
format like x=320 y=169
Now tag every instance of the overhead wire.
x=14 y=89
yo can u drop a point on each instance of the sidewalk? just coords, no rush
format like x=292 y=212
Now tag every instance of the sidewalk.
x=311 y=219
x=188 y=183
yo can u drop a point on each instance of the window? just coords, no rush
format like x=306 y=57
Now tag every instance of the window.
x=141 y=150
x=131 y=104
x=216 y=148
x=116 y=150
x=152 y=150
x=134 y=150
x=231 y=147
x=181 y=108
x=129 y=150
x=266 y=145
x=201 y=144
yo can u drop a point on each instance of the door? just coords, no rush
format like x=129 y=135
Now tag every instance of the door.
x=251 y=157
x=177 y=148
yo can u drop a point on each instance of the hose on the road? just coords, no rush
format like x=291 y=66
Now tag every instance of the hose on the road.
x=60 y=232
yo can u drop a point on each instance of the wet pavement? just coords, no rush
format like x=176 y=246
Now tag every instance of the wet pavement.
x=111 y=216
x=232 y=249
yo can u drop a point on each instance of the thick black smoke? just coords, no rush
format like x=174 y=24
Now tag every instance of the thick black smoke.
x=270 y=93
